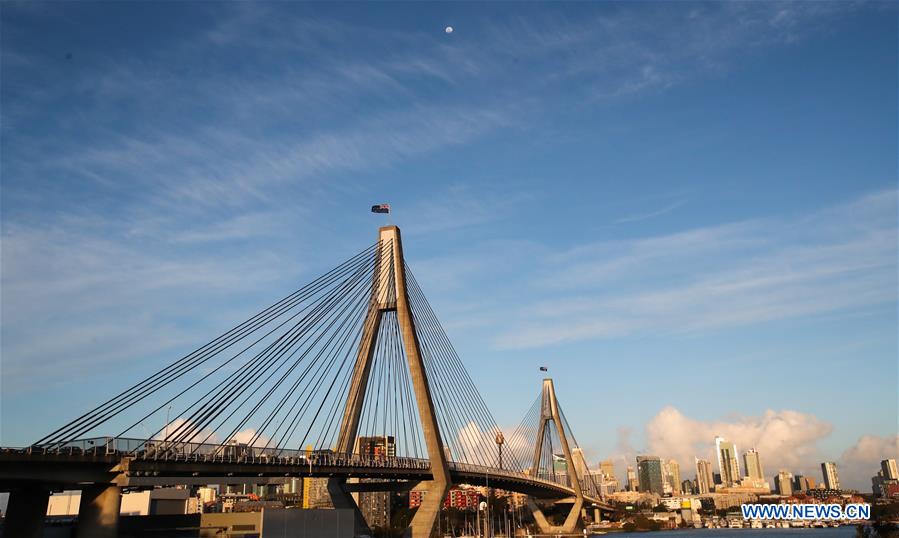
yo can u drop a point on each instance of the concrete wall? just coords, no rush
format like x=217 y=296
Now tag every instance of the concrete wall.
x=276 y=523
x=308 y=523
x=136 y=503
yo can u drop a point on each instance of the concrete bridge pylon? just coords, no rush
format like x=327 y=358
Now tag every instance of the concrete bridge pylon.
x=549 y=412
x=389 y=293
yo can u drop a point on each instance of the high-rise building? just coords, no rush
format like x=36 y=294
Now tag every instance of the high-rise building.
x=803 y=483
x=667 y=488
x=688 y=487
x=753 y=464
x=728 y=464
x=649 y=472
x=315 y=493
x=379 y=446
x=375 y=505
x=608 y=483
x=883 y=486
x=580 y=464
x=831 y=478
x=889 y=469
x=703 y=476
x=631 y=479
x=607 y=468
x=674 y=477
x=783 y=482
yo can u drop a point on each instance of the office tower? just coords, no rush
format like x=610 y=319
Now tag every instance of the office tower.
x=753 y=464
x=379 y=446
x=609 y=481
x=688 y=487
x=674 y=477
x=889 y=469
x=801 y=483
x=607 y=468
x=631 y=479
x=783 y=482
x=375 y=505
x=877 y=483
x=580 y=464
x=649 y=472
x=728 y=464
x=831 y=478
x=667 y=488
x=703 y=476
x=315 y=493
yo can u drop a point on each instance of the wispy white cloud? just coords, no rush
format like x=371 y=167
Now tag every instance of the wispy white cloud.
x=81 y=298
x=833 y=260
x=658 y=212
x=226 y=152
x=460 y=206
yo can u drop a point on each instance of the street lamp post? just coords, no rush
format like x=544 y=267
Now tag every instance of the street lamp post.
x=167 y=411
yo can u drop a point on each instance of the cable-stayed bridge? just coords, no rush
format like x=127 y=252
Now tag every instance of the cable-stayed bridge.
x=351 y=376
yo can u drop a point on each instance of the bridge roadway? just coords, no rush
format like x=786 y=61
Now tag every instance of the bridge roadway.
x=137 y=463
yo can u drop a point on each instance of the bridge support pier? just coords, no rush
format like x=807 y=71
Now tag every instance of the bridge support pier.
x=342 y=499
x=98 y=514
x=25 y=512
x=569 y=526
x=425 y=518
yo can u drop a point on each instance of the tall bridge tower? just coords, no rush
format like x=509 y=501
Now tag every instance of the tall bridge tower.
x=550 y=413
x=389 y=293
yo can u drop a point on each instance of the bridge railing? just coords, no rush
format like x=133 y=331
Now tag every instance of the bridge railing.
x=159 y=450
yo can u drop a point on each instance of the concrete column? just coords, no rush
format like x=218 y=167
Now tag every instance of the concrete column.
x=25 y=513
x=597 y=517
x=426 y=516
x=342 y=499
x=98 y=514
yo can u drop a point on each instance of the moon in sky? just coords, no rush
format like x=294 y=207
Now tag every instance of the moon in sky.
x=449 y=29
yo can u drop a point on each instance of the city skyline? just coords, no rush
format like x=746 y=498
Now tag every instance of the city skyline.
x=684 y=212
x=653 y=474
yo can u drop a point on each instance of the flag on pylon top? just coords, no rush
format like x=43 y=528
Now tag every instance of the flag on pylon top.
x=380 y=208
x=544 y=369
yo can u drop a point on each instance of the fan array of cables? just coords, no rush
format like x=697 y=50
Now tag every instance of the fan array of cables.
x=551 y=464
x=280 y=380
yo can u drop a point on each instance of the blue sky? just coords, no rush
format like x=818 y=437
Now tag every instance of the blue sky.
x=687 y=211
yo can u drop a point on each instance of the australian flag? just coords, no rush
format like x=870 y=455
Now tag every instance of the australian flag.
x=380 y=208
x=544 y=369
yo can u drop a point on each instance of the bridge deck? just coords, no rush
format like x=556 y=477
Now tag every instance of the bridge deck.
x=107 y=460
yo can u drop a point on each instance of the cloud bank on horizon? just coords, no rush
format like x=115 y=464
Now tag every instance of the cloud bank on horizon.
x=786 y=440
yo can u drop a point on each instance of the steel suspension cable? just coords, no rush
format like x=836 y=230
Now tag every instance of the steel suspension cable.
x=200 y=355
